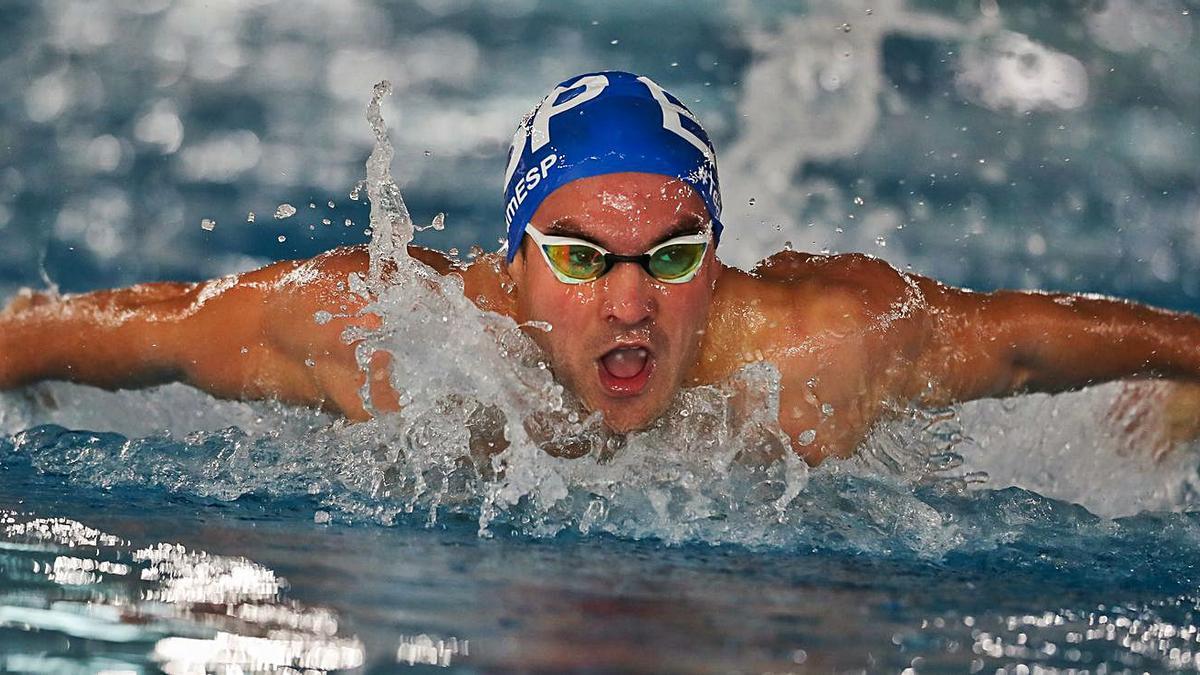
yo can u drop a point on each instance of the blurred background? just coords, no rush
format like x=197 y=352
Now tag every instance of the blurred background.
x=986 y=143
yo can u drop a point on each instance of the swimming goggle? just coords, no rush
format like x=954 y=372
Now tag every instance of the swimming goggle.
x=575 y=261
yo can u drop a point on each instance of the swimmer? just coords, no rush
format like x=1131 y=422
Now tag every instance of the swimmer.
x=613 y=210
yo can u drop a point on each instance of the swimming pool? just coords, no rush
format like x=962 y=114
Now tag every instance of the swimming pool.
x=984 y=145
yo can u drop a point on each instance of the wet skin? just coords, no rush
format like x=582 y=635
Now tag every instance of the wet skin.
x=854 y=339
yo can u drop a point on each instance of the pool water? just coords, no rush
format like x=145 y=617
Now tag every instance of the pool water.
x=988 y=146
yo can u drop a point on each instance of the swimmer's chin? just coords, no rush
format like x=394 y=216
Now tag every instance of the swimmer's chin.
x=630 y=415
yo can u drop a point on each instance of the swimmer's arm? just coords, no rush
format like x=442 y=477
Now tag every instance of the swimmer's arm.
x=247 y=337
x=994 y=344
x=112 y=338
x=254 y=336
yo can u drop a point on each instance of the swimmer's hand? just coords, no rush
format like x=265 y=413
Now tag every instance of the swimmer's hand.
x=27 y=298
x=1155 y=418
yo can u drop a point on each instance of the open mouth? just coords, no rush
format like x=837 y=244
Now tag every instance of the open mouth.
x=624 y=371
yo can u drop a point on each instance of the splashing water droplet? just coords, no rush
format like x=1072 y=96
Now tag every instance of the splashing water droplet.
x=807 y=437
x=331 y=204
x=208 y=224
x=428 y=153
x=284 y=210
x=326 y=221
x=859 y=201
x=439 y=222
x=281 y=238
x=250 y=217
x=310 y=363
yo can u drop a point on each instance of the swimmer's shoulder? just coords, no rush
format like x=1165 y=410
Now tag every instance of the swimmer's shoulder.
x=854 y=278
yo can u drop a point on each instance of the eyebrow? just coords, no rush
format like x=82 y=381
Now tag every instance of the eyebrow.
x=569 y=227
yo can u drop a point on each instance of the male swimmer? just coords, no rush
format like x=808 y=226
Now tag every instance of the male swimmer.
x=613 y=210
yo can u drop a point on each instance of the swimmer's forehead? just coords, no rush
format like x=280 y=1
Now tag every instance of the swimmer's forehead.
x=600 y=233
x=623 y=208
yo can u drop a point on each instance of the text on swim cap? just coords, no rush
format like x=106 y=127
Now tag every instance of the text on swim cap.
x=529 y=181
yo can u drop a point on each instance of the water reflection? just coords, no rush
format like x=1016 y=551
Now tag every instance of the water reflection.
x=183 y=611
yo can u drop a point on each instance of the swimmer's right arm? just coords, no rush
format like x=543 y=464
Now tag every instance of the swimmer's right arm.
x=248 y=337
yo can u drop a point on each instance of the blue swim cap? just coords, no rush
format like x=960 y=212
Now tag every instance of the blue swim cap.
x=600 y=123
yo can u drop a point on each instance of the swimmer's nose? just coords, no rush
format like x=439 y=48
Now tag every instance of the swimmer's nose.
x=628 y=294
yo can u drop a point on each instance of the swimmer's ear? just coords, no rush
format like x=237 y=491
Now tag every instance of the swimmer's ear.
x=516 y=268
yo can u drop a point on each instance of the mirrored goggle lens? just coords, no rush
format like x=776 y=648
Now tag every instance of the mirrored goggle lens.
x=677 y=260
x=575 y=261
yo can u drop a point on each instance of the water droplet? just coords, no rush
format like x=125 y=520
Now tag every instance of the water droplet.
x=453 y=251
x=787 y=245
x=826 y=409
x=312 y=205
x=859 y=201
x=845 y=28
x=250 y=217
x=326 y=221
x=208 y=224
x=310 y=363
x=753 y=201
x=284 y=210
x=321 y=517
x=614 y=42
x=475 y=251
x=322 y=317
x=439 y=222
x=428 y=153
x=674 y=64
x=838 y=229
x=331 y=204
x=348 y=223
x=281 y=238
x=870 y=12
x=880 y=241
x=807 y=437
x=245 y=350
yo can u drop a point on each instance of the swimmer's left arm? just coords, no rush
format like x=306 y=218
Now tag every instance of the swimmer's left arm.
x=982 y=345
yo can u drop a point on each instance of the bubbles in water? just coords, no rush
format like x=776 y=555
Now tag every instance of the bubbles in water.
x=284 y=211
x=208 y=224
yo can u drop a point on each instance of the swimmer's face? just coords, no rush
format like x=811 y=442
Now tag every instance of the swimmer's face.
x=624 y=342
